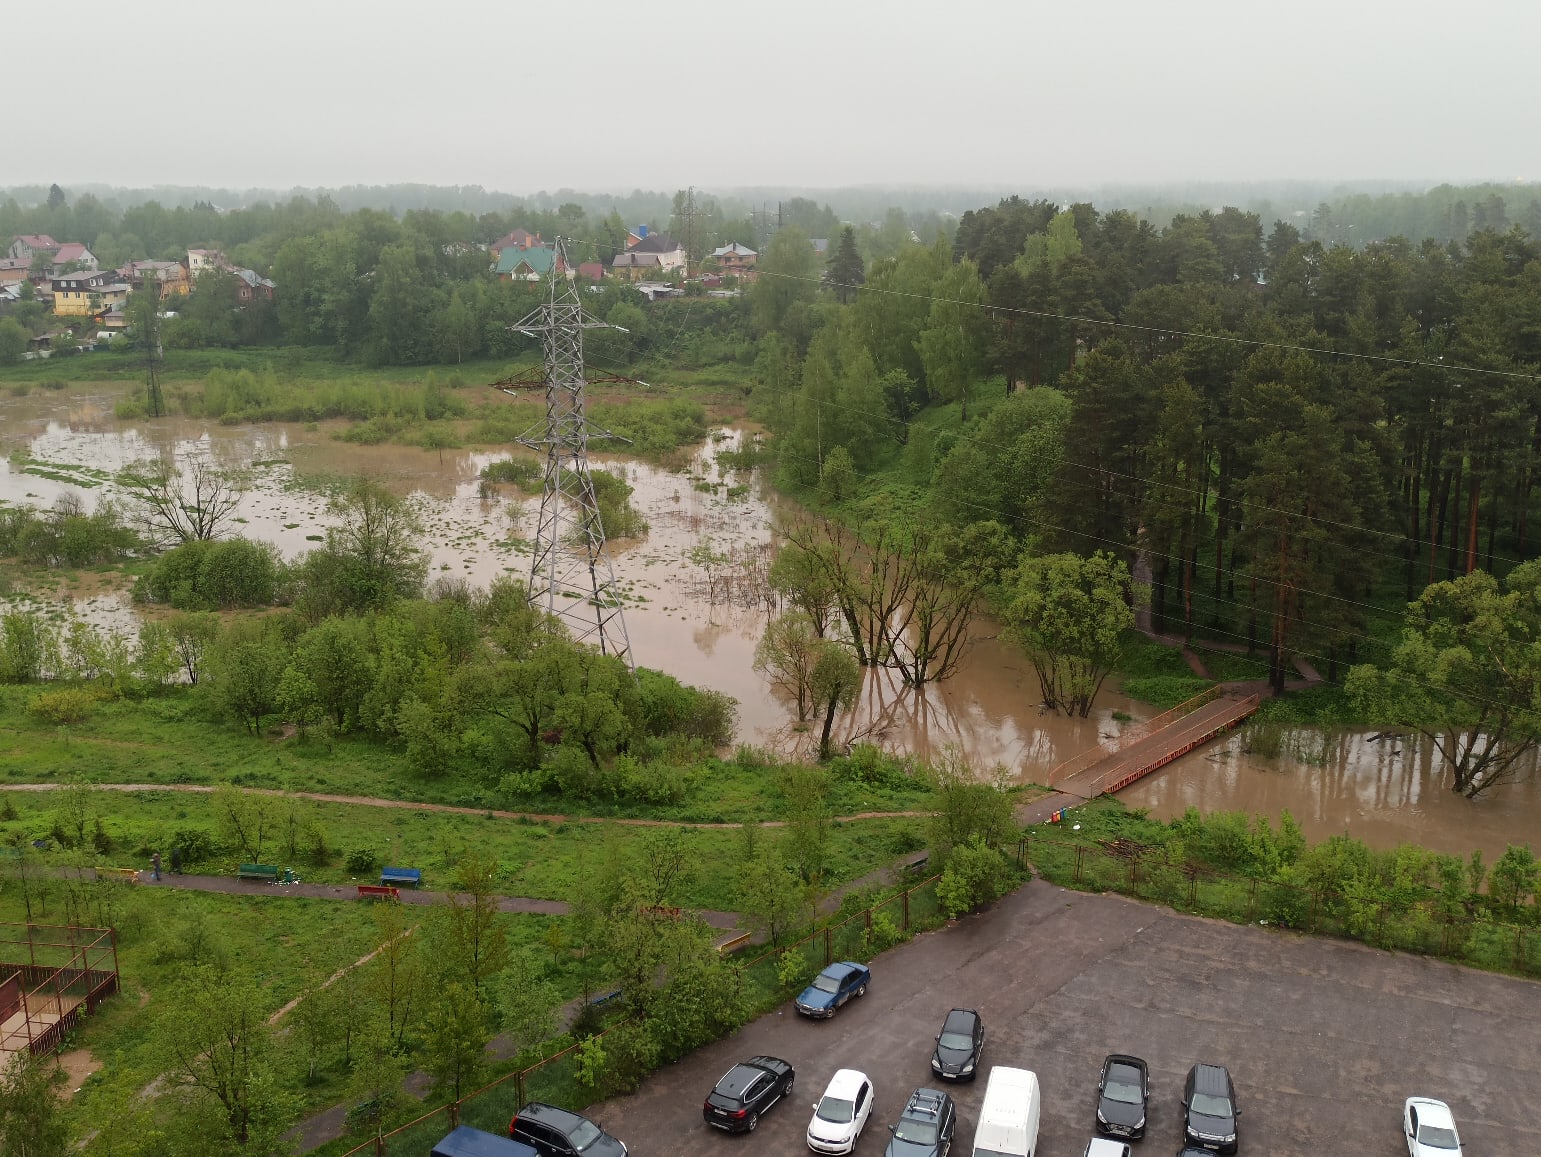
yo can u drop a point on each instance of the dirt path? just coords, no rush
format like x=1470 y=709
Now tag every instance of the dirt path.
x=450 y=809
x=232 y=886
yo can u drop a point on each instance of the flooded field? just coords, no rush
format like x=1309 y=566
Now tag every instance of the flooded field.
x=700 y=620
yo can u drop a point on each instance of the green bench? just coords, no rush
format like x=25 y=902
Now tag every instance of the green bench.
x=267 y=873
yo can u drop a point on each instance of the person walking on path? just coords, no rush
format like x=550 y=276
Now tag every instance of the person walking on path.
x=155 y=867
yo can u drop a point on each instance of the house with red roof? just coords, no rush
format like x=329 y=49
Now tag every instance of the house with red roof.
x=73 y=256
x=28 y=245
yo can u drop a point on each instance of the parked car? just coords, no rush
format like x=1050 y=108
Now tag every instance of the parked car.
x=841 y=1113
x=1429 y=1127
x=833 y=987
x=1008 y=1119
x=1102 y=1147
x=925 y=1126
x=1210 y=1112
x=747 y=1090
x=1123 y=1093
x=554 y=1132
x=958 y=1045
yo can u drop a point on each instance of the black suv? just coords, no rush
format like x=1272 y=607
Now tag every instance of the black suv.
x=1209 y=1101
x=925 y=1126
x=1122 y=1096
x=747 y=1090
x=958 y=1045
x=554 y=1132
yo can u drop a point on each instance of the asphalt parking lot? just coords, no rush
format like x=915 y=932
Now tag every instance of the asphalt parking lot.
x=1324 y=1039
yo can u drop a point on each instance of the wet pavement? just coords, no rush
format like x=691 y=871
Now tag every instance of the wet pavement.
x=1324 y=1039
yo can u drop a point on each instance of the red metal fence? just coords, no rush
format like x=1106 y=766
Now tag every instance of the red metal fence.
x=60 y=973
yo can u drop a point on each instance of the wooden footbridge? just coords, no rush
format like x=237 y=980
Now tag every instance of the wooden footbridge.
x=1141 y=749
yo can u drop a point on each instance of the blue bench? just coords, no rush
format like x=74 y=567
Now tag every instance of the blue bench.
x=400 y=877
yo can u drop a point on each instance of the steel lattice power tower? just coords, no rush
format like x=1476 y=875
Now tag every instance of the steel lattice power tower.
x=570 y=572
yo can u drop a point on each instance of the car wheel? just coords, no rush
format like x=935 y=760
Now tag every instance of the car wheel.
x=790 y=1082
x=754 y=1121
x=862 y=991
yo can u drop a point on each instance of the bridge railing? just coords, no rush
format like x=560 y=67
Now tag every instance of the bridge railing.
x=1121 y=777
x=1130 y=736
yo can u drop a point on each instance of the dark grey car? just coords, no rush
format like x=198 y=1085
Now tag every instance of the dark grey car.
x=925 y=1128
x=958 y=1046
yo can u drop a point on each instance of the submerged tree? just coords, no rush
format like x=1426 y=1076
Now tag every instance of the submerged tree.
x=1467 y=675
x=173 y=503
x=1070 y=614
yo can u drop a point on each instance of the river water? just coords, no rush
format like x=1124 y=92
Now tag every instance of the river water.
x=702 y=624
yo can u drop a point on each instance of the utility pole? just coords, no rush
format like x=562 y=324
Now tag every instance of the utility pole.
x=570 y=572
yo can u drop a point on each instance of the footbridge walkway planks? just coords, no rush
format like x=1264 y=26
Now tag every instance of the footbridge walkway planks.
x=1145 y=747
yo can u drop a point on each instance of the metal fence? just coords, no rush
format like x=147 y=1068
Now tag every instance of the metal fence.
x=51 y=976
x=857 y=936
x=1424 y=922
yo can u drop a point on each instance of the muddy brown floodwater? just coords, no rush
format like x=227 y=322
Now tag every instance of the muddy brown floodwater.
x=1383 y=791
x=696 y=585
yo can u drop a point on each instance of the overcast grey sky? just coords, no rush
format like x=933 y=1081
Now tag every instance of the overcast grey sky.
x=520 y=96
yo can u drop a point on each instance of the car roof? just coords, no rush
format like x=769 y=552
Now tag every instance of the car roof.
x=1102 y=1147
x=561 y=1118
x=967 y=1015
x=1125 y=1059
x=1432 y=1112
x=845 y=1082
x=925 y=1102
x=1212 y=1080
x=739 y=1077
x=841 y=968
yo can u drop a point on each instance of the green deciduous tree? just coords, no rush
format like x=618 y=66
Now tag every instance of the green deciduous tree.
x=1467 y=675
x=835 y=682
x=455 y=1039
x=30 y=1122
x=1070 y=613
x=952 y=344
x=218 y=1049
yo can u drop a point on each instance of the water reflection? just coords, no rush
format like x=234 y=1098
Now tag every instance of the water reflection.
x=1385 y=792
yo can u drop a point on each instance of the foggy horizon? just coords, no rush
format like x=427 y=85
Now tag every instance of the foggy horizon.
x=976 y=96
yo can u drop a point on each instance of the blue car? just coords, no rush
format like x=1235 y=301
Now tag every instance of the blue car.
x=832 y=988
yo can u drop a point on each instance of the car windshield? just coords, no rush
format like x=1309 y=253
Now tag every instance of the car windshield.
x=956 y=1040
x=1437 y=1137
x=1211 y=1106
x=920 y=1132
x=584 y=1135
x=1122 y=1085
x=837 y=1110
x=826 y=983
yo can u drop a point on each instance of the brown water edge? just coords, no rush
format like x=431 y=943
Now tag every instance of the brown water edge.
x=1384 y=792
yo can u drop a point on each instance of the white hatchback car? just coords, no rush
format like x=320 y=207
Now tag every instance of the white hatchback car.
x=1429 y=1128
x=841 y=1112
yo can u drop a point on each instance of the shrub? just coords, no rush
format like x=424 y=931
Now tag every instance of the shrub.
x=361 y=861
x=976 y=874
x=792 y=971
x=207 y=576
x=62 y=707
x=669 y=707
x=883 y=934
x=195 y=844
x=54 y=383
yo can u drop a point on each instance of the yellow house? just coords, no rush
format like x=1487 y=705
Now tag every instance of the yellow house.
x=87 y=292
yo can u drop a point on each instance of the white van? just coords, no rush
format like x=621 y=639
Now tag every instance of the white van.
x=1008 y=1119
